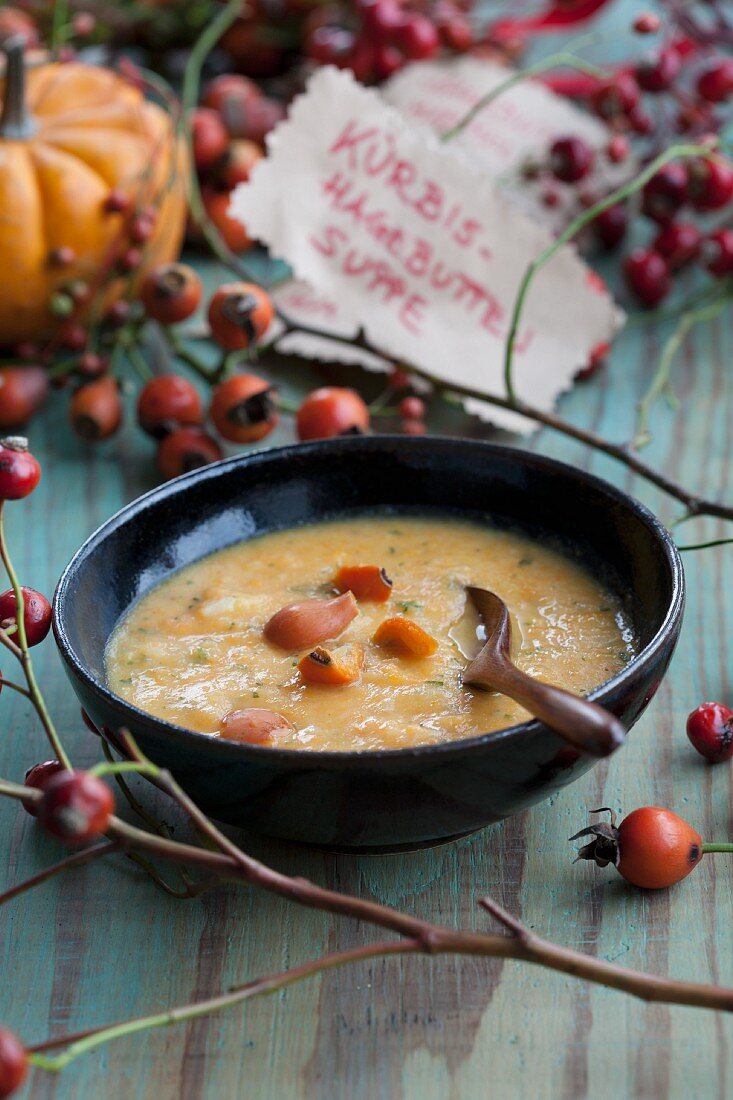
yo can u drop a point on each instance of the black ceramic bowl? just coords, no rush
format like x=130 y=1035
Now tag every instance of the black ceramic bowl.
x=385 y=800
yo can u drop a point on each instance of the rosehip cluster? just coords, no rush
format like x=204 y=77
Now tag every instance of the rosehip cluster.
x=169 y=407
x=702 y=185
x=227 y=134
x=377 y=38
x=674 y=77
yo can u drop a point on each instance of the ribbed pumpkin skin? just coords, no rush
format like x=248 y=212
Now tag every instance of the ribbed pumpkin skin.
x=95 y=132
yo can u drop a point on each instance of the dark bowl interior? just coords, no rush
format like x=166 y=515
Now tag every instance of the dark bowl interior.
x=377 y=800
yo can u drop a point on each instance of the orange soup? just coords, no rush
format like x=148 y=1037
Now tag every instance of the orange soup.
x=208 y=643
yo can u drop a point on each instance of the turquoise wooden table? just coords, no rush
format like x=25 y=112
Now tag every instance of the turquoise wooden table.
x=102 y=943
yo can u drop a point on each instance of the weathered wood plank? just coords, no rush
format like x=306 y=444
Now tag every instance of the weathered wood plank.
x=102 y=943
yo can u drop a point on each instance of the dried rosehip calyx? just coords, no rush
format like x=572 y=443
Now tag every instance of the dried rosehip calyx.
x=652 y=847
x=244 y=408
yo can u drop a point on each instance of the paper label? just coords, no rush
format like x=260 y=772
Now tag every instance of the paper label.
x=417 y=246
x=517 y=127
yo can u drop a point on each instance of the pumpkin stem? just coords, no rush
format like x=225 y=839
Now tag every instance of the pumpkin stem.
x=16 y=123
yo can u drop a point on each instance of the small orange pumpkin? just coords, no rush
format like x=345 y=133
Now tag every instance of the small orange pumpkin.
x=70 y=134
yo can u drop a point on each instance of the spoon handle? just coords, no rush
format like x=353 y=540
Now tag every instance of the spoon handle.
x=583 y=724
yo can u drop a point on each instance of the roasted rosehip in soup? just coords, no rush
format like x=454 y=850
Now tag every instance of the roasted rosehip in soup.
x=352 y=635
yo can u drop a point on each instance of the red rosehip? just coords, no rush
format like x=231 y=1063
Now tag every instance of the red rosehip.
x=715 y=83
x=411 y=408
x=647 y=23
x=239 y=315
x=709 y=183
x=618 y=149
x=231 y=229
x=456 y=33
x=229 y=84
x=19 y=470
x=382 y=18
x=209 y=137
x=571 y=159
x=611 y=225
x=647 y=276
x=387 y=60
x=39 y=776
x=118 y=313
x=330 y=45
x=22 y=392
x=616 y=97
x=656 y=74
x=83 y=23
x=13 y=1063
x=187 y=449
x=91 y=366
x=238 y=163
x=710 y=729
x=63 y=256
x=95 y=411
x=252 y=119
x=130 y=259
x=168 y=402
x=15 y=23
x=117 y=202
x=679 y=243
x=243 y=408
x=640 y=122
x=400 y=379
x=596 y=360
x=414 y=427
x=76 y=807
x=72 y=336
x=665 y=192
x=171 y=293
x=652 y=847
x=36 y=614
x=331 y=411
x=417 y=37
x=142 y=228
x=717 y=253
x=26 y=350
x=361 y=58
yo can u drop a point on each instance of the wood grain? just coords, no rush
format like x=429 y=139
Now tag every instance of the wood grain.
x=102 y=943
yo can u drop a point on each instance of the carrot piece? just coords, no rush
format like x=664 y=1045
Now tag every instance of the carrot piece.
x=333 y=666
x=310 y=622
x=367 y=582
x=253 y=726
x=405 y=636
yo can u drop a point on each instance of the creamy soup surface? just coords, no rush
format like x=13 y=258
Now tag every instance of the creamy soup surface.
x=192 y=649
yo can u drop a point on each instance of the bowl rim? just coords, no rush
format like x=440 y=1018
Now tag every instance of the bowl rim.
x=327 y=759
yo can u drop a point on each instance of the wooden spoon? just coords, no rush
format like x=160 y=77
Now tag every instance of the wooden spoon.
x=581 y=723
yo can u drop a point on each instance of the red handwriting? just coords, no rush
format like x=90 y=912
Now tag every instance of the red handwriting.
x=373 y=152
x=309 y=303
x=381 y=278
x=414 y=255
x=377 y=276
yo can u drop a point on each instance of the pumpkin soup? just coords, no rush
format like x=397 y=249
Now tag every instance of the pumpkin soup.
x=352 y=635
